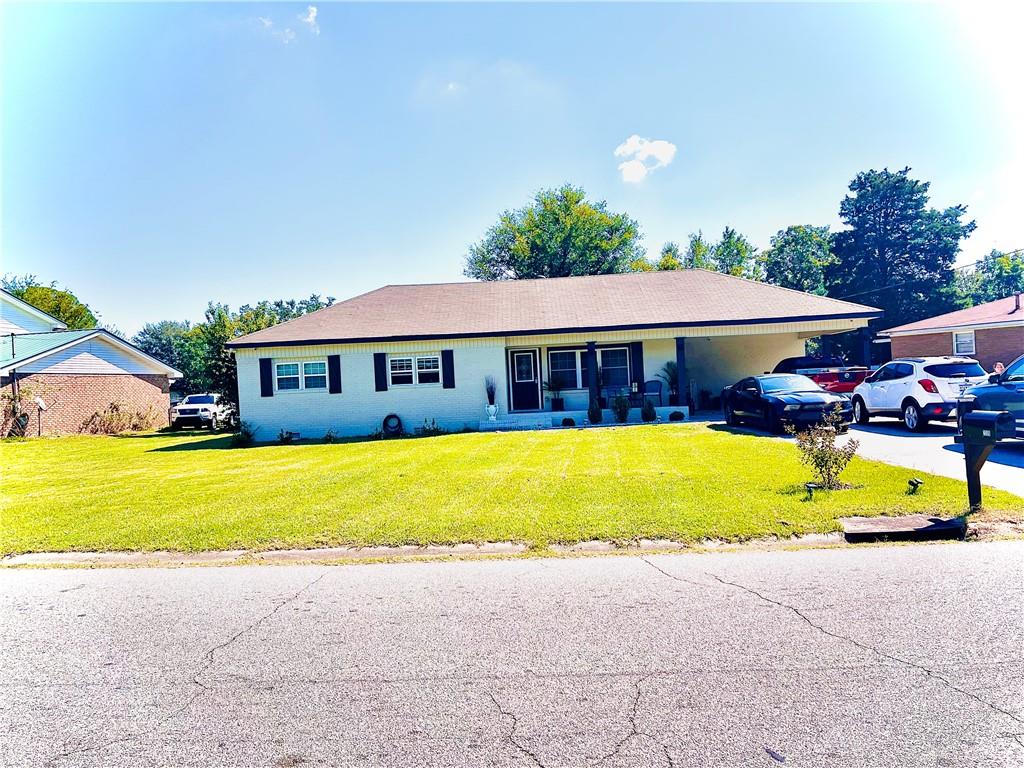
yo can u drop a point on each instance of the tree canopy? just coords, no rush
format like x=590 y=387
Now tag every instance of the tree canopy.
x=897 y=253
x=735 y=255
x=798 y=257
x=996 y=276
x=62 y=304
x=559 y=235
x=198 y=351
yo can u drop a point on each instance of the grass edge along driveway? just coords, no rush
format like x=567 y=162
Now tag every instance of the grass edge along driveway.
x=191 y=492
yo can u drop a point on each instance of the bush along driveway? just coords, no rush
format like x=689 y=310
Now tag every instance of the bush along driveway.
x=193 y=492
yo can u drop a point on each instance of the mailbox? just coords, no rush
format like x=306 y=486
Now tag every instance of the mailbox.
x=979 y=433
x=984 y=427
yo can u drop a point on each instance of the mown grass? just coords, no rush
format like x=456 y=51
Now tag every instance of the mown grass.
x=191 y=492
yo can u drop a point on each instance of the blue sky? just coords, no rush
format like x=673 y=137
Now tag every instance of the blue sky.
x=159 y=156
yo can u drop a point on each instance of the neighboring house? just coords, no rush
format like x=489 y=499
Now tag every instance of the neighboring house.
x=75 y=373
x=423 y=352
x=988 y=332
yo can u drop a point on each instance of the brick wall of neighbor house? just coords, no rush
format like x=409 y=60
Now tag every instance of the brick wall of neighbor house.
x=72 y=399
x=990 y=344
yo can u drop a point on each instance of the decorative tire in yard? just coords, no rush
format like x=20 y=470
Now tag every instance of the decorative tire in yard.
x=392 y=426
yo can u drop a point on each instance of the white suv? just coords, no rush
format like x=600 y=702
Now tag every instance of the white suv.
x=916 y=389
x=203 y=410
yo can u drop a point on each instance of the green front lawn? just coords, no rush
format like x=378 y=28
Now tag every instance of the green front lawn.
x=191 y=492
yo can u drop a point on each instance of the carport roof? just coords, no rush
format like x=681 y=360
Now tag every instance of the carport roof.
x=692 y=297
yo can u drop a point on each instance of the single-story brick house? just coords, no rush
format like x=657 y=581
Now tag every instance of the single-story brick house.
x=74 y=373
x=990 y=333
x=423 y=352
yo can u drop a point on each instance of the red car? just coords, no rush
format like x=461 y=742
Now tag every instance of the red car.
x=830 y=373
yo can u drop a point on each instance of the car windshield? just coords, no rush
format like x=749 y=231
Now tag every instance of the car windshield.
x=954 y=370
x=1016 y=371
x=797 y=363
x=788 y=384
x=198 y=400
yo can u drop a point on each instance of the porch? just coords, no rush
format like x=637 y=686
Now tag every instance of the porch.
x=550 y=419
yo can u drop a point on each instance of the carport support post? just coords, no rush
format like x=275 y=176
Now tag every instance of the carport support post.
x=681 y=370
x=592 y=384
x=865 y=346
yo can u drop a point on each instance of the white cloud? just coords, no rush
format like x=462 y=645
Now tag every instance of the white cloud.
x=267 y=23
x=643 y=156
x=309 y=19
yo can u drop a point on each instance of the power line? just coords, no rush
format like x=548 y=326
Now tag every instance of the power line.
x=923 y=279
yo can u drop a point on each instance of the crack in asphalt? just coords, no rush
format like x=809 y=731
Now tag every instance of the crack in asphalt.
x=870 y=648
x=634 y=730
x=663 y=572
x=511 y=735
x=204 y=689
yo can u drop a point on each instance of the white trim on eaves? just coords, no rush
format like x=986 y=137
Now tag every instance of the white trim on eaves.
x=1015 y=323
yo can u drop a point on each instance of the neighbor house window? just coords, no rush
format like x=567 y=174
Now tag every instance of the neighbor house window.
x=292 y=376
x=614 y=366
x=288 y=376
x=963 y=343
x=415 y=369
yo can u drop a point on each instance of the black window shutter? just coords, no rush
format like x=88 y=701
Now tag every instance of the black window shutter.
x=334 y=374
x=380 y=371
x=636 y=363
x=447 y=369
x=266 y=377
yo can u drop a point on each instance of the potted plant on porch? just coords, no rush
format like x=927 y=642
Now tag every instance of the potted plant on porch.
x=555 y=395
x=669 y=373
x=492 y=392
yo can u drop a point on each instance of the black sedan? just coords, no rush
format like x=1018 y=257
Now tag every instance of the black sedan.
x=777 y=399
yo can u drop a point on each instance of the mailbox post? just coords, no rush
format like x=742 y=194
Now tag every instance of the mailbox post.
x=980 y=432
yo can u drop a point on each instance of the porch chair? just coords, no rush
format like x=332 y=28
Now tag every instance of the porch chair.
x=651 y=389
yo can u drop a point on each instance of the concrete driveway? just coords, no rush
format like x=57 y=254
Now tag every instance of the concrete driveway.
x=865 y=657
x=934 y=451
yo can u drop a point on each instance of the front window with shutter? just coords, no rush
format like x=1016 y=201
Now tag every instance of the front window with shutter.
x=292 y=377
x=411 y=370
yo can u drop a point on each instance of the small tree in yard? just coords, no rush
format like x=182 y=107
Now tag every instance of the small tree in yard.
x=818 y=449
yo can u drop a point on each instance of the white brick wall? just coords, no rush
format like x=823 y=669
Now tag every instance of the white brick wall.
x=712 y=363
x=360 y=409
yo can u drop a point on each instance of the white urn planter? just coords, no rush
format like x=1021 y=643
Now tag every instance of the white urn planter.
x=492 y=412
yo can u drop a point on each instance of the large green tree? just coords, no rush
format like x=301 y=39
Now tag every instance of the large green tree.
x=62 y=304
x=560 y=234
x=798 y=258
x=897 y=253
x=699 y=253
x=735 y=255
x=996 y=276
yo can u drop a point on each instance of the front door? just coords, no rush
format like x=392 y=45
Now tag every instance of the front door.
x=524 y=375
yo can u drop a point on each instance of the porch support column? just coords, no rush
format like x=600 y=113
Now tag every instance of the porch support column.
x=592 y=371
x=865 y=346
x=681 y=370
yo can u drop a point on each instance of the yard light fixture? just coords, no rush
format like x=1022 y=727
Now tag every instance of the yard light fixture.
x=811 y=488
x=914 y=483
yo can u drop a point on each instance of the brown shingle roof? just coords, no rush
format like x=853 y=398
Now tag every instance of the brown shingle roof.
x=999 y=311
x=554 y=305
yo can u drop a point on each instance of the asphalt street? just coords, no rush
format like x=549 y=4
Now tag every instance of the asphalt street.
x=874 y=656
x=935 y=451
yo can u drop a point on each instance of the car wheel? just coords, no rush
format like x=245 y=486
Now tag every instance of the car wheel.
x=730 y=415
x=214 y=423
x=174 y=425
x=860 y=411
x=771 y=422
x=912 y=417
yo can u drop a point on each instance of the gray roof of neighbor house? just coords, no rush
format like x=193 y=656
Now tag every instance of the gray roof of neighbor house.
x=692 y=297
